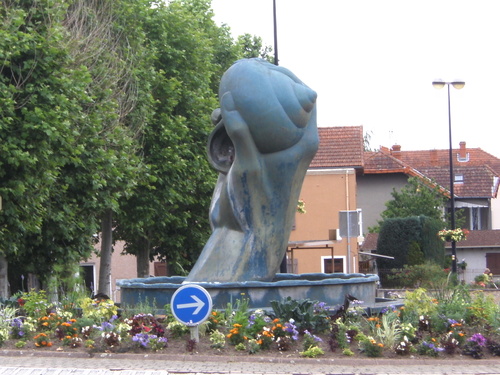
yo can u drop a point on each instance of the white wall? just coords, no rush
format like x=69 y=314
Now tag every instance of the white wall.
x=495 y=213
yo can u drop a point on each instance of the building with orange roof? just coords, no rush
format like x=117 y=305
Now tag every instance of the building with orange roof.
x=345 y=177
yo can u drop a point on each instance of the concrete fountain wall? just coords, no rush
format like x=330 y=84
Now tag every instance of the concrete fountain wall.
x=328 y=288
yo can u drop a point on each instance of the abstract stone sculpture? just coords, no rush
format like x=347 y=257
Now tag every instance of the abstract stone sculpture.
x=264 y=140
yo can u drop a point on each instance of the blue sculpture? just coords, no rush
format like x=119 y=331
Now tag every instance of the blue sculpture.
x=263 y=142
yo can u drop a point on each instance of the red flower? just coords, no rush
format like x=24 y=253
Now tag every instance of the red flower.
x=21 y=302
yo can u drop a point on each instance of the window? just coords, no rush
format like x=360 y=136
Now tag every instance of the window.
x=493 y=263
x=459 y=178
x=87 y=272
x=160 y=268
x=338 y=265
x=475 y=218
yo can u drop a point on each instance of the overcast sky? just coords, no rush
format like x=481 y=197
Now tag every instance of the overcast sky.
x=372 y=63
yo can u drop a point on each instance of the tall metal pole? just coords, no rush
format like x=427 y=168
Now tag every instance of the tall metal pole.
x=452 y=192
x=276 y=61
x=439 y=84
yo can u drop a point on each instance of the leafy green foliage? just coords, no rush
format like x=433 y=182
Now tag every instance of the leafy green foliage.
x=427 y=275
x=167 y=214
x=304 y=313
x=43 y=95
x=400 y=235
x=105 y=114
x=415 y=199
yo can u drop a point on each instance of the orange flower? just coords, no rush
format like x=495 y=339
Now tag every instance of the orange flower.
x=381 y=345
x=276 y=320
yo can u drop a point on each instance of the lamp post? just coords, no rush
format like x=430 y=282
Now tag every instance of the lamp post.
x=439 y=84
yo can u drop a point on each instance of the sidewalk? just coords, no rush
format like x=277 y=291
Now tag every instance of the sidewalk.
x=24 y=363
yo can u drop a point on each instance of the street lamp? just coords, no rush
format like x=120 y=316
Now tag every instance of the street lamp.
x=439 y=84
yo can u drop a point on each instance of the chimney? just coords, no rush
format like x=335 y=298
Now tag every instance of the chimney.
x=396 y=151
x=463 y=155
x=463 y=152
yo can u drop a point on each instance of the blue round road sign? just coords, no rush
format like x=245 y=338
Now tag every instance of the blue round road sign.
x=191 y=304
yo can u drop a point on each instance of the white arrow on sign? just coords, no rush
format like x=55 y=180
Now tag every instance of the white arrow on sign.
x=198 y=304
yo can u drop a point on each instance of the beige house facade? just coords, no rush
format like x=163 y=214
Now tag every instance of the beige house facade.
x=315 y=245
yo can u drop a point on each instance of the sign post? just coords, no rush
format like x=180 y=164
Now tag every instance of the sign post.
x=349 y=226
x=191 y=305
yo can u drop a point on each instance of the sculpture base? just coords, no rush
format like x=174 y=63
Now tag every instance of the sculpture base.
x=328 y=288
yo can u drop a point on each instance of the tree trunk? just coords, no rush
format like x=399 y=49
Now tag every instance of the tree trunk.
x=4 y=280
x=106 y=251
x=143 y=260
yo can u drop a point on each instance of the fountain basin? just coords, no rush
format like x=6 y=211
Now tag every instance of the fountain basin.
x=328 y=288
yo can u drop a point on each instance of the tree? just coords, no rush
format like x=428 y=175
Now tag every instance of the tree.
x=74 y=101
x=42 y=94
x=415 y=198
x=251 y=46
x=167 y=215
x=108 y=40
x=409 y=240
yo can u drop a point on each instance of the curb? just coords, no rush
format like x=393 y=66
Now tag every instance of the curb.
x=455 y=361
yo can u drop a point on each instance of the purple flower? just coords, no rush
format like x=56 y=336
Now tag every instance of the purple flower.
x=106 y=326
x=292 y=329
x=320 y=306
x=478 y=339
x=431 y=346
x=314 y=337
x=142 y=339
x=251 y=320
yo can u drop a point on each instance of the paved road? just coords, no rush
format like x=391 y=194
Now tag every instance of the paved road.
x=27 y=363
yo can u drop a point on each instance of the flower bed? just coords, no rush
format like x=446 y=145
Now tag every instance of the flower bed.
x=450 y=323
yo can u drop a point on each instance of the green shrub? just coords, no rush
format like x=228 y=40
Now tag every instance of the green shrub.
x=429 y=275
x=307 y=315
